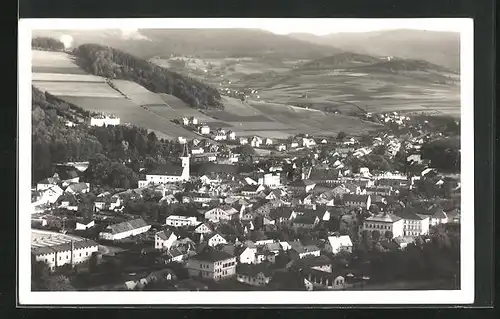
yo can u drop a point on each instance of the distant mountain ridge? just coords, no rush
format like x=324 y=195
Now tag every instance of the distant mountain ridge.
x=148 y=43
x=441 y=48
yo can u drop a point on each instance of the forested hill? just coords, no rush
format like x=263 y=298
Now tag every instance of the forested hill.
x=112 y=63
x=46 y=43
x=114 y=152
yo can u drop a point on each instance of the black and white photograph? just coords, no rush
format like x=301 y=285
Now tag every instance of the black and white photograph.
x=253 y=161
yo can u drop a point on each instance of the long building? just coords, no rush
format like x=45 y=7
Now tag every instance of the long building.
x=56 y=249
x=125 y=229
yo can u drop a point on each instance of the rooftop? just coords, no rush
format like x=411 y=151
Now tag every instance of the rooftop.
x=212 y=255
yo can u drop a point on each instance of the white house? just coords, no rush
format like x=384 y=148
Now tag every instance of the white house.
x=271 y=180
x=281 y=147
x=78 y=188
x=247 y=256
x=215 y=239
x=255 y=141
x=198 y=150
x=101 y=120
x=337 y=244
x=203 y=228
x=84 y=225
x=181 y=221
x=385 y=224
x=308 y=142
x=165 y=239
x=221 y=213
x=353 y=200
x=414 y=224
x=204 y=129
x=50 y=195
x=243 y=140
x=268 y=141
x=254 y=275
x=64 y=252
x=231 y=135
x=215 y=265
x=125 y=229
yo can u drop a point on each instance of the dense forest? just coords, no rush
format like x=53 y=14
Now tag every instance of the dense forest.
x=46 y=43
x=115 y=153
x=112 y=63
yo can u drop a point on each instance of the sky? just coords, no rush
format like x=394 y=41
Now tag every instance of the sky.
x=317 y=26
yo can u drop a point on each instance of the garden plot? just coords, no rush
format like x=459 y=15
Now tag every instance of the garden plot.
x=53 y=62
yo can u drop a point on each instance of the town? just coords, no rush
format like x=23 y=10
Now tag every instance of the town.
x=228 y=212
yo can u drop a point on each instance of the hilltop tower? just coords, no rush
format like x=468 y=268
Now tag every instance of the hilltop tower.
x=185 y=156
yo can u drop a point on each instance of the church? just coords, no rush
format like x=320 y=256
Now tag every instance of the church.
x=169 y=173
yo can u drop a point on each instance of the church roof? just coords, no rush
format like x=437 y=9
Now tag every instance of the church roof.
x=170 y=169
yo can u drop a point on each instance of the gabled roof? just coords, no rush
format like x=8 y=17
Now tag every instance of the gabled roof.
x=78 y=187
x=389 y=218
x=313 y=261
x=169 y=169
x=298 y=247
x=281 y=212
x=212 y=255
x=165 y=234
x=66 y=172
x=252 y=270
x=343 y=241
x=126 y=226
x=409 y=213
x=355 y=198
x=303 y=182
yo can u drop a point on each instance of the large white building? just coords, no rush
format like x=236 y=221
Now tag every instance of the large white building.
x=125 y=229
x=385 y=223
x=181 y=221
x=169 y=173
x=271 y=180
x=57 y=249
x=214 y=265
x=104 y=120
x=221 y=213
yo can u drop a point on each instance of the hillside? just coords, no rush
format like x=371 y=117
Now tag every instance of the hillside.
x=442 y=48
x=340 y=61
x=115 y=64
x=149 y=43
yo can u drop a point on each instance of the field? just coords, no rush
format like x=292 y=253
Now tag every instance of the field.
x=53 y=62
x=347 y=92
x=136 y=105
x=137 y=93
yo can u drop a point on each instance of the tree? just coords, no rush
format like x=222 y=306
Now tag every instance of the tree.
x=388 y=234
x=376 y=235
x=341 y=135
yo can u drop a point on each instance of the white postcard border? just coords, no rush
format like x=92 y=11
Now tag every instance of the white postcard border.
x=26 y=297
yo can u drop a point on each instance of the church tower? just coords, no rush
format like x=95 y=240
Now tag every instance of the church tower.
x=185 y=163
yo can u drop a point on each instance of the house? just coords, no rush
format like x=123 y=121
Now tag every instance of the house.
x=170 y=172
x=221 y=213
x=324 y=280
x=281 y=214
x=275 y=194
x=251 y=190
x=165 y=239
x=107 y=203
x=66 y=175
x=414 y=224
x=339 y=243
x=181 y=221
x=304 y=185
x=212 y=264
x=271 y=180
x=386 y=224
x=268 y=141
x=78 y=188
x=353 y=200
x=299 y=251
x=294 y=144
x=454 y=216
x=255 y=141
x=403 y=242
x=185 y=121
x=215 y=239
x=322 y=263
x=324 y=176
x=69 y=202
x=220 y=135
x=281 y=147
x=47 y=183
x=437 y=215
x=84 y=224
x=125 y=229
x=197 y=150
x=247 y=256
x=306 y=222
x=308 y=142
x=231 y=136
x=243 y=141
x=50 y=195
x=340 y=191
x=284 y=280
x=203 y=228
x=254 y=275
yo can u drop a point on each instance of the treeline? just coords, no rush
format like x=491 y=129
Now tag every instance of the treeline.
x=444 y=154
x=115 y=153
x=47 y=43
x=112 y=63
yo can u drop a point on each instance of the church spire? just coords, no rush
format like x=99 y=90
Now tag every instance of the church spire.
x=185 y=151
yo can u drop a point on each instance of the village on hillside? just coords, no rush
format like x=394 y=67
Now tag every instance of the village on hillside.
x=254 y=213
